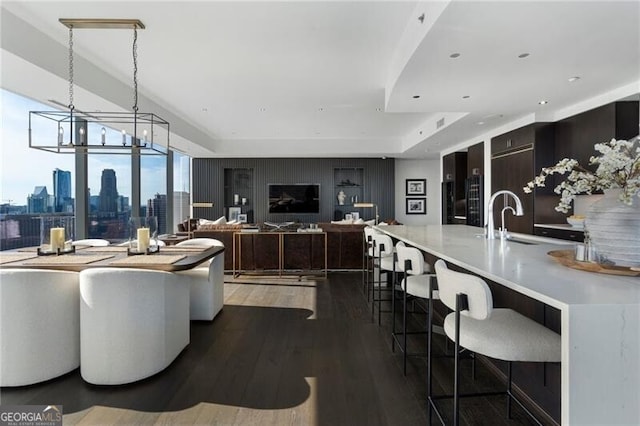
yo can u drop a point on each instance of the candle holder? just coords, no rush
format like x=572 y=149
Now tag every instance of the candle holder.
x=56 y=235
x=143 y=236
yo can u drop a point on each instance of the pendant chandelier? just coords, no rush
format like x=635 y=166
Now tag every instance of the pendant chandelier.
x=100 y=132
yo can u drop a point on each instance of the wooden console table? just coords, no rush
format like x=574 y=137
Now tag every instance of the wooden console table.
x=281 y=238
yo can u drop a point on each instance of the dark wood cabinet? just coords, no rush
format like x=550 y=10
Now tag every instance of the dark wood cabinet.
x=576 y=135
x=563 y=234
x=475 y=159
x=516 y=163
x=454 y=169
x=514 y=139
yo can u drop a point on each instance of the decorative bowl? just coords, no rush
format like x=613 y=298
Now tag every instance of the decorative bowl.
x=576 y=222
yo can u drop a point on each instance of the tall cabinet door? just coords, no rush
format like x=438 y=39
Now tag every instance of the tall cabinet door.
x=512 y=171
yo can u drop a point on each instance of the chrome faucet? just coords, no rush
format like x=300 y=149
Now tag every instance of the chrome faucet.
x=518 y=212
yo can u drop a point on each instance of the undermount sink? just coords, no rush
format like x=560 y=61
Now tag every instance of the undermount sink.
x=529 y=243
x=513 y=240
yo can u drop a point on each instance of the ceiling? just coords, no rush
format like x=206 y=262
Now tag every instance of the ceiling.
x=325 y=79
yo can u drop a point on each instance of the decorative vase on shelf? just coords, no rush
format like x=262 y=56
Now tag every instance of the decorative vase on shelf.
x=614 y=229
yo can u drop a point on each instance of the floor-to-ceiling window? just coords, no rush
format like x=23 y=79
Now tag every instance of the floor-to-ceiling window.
x=153 y=189
x=181 y=188
x=33 y=183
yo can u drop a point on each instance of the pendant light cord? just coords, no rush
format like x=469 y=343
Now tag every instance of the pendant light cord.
x=71 y=107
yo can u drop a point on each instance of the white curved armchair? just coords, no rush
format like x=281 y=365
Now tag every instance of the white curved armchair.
x=39 y=325
x=206 y=283
x=134 y=323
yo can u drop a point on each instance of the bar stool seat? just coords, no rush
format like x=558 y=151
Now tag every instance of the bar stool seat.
x=506 y=335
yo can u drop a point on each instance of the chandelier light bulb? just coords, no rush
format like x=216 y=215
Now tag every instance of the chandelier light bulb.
x=81 y=132
x=144 y=135
x=60 y=135
x=124 y=138
x=103 y=136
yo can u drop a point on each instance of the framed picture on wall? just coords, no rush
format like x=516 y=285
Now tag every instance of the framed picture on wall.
x=416 y=187
x=234 y=212
x=416 y=206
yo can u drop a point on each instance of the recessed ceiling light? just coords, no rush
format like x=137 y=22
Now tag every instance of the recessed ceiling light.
x=416 y=96
x=320 y=109
x=466 y=97
x=263 y=109
x=454 y=55
x=574 y=78
x=420 y=132
x=543 y=102
x=480 y=123
x=523 y=55
x=379 y=109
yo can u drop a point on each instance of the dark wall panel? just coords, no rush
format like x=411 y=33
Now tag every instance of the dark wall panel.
x=208 y=184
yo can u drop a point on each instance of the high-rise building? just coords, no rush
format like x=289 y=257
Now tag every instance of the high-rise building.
x=38 y=202
x=158 y=207
x=62 y=190
x=108 y=192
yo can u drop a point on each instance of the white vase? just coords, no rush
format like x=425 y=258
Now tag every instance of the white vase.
x=614 y=229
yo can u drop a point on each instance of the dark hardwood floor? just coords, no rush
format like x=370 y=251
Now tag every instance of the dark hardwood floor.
x=281 y=352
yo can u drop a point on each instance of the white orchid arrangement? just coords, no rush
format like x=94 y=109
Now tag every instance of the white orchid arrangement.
x=618 y=167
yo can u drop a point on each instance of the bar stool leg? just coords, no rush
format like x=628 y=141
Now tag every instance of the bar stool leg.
x=404 y=324
x=429 y=347
x=393 y=306
x=456 y=384
x=509 y=378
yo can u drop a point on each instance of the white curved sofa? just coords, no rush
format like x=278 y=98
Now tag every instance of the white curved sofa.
x=39 y=325
x=206 y=282
x=133 y=323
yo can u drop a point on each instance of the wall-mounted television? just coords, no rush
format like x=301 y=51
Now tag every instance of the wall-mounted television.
x=294 y=198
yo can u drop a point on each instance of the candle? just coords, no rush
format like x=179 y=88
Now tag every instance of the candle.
x=236 y=199
x=56 y=235
x=143 y=239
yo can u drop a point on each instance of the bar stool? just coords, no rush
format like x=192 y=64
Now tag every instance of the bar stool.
x=367 y=258
x=498 y=333
x=417 y=282
x=383 y=255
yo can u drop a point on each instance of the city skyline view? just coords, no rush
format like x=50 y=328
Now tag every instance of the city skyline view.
x=16 y=183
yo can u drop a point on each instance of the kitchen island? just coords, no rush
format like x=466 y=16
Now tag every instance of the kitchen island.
x=600 y=314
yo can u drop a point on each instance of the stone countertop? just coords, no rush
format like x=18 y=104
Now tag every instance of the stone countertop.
x=600 y=314
x=564 y=226
x=525 y=268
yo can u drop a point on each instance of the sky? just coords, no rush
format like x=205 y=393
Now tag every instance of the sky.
x=24 y=168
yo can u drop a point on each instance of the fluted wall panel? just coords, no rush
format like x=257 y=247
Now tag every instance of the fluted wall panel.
x=208 y=184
